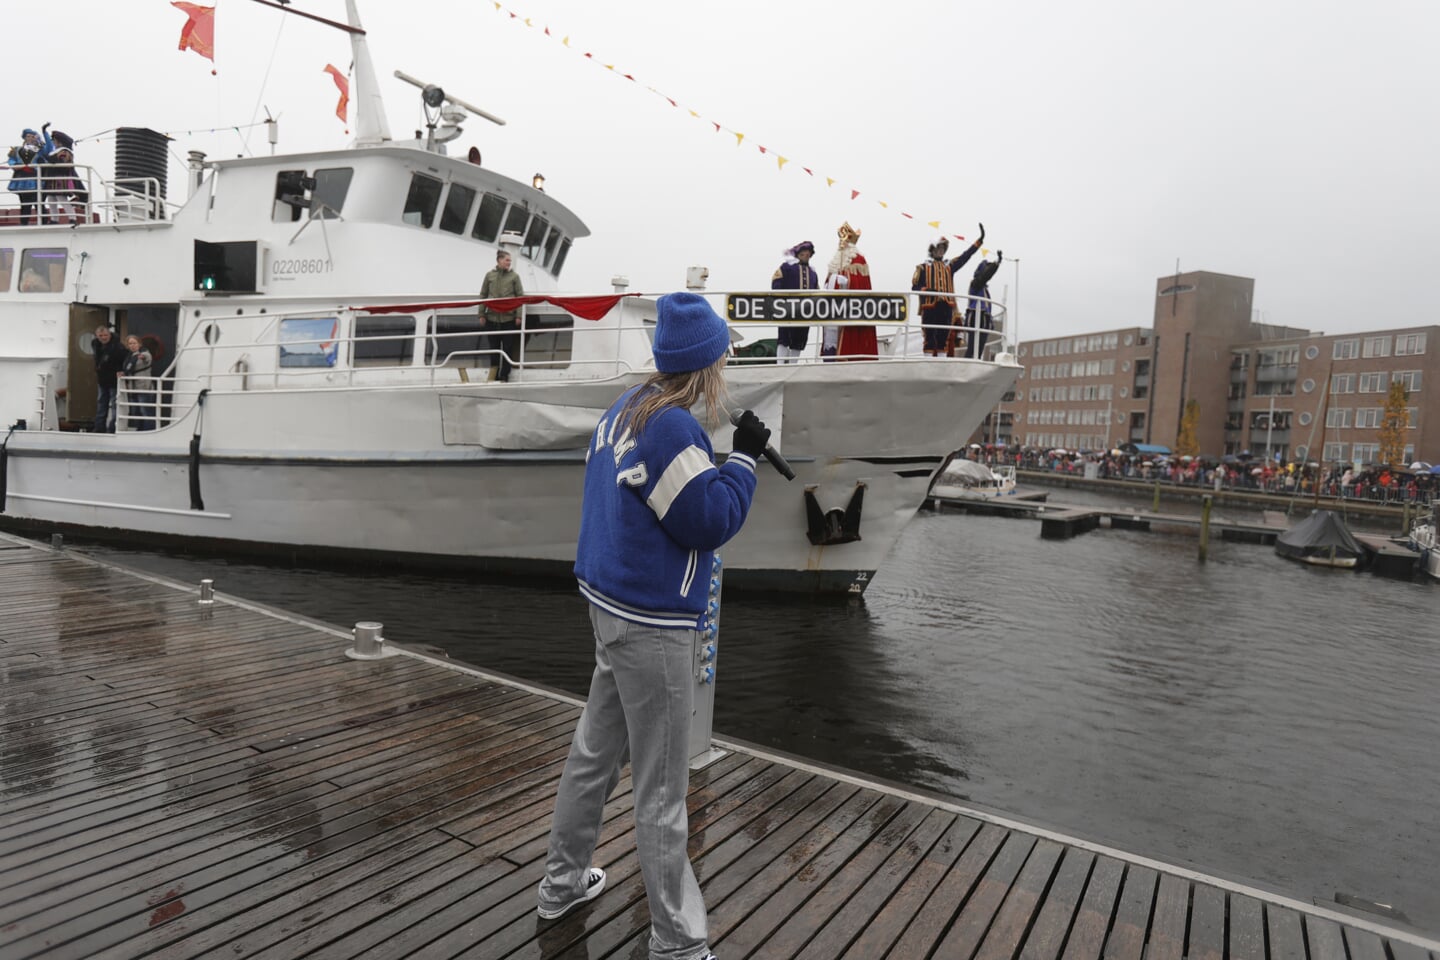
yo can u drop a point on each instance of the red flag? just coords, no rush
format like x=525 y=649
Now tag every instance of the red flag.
x=198 y=34
x=344 y=86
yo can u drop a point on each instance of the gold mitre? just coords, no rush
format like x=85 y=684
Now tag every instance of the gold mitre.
x=847 y=233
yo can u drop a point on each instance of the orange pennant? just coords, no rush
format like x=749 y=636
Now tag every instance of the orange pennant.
x=344 y=86
x=198 y=34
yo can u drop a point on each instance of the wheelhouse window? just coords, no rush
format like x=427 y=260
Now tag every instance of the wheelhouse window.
x=454 y=340
x=332 y=186
x=386 y=341
x=422 y=201
x=7 y=267
x=457 y=208
x=308 y=341
x=552 y=243
x=516 y=220
x=42 y=270
x=534 y=238
x=560 y=257
x=290 y=199
x=488 y=220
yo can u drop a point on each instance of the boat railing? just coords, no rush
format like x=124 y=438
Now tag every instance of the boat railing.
x=272 y=357
x=73 y=193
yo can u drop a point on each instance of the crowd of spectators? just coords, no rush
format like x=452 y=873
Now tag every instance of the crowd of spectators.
x=1415 y=483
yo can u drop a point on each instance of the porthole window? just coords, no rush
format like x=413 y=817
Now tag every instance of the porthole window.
x=1129 y=339
x=1125 y=367
x=1024 y=350
x=1124 y=392
x=1308 y=386
x=1305 y=419
x=1301 y=451
x=1311 y=352
x=212 y=333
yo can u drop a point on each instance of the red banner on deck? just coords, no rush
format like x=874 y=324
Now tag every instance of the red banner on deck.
x=587 y=308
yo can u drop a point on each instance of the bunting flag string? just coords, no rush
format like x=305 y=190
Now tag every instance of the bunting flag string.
x=780 y=160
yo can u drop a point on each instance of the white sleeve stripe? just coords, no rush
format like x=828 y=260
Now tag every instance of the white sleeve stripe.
x=744 y=458
x=687 y=465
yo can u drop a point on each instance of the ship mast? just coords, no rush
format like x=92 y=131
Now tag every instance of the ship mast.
x=371 y=126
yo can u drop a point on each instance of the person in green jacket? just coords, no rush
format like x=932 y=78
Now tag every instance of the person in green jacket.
x=502 y=328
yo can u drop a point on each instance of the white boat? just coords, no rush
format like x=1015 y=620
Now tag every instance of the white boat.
x=1424 y=537
x=972 y=480
x=326 y=389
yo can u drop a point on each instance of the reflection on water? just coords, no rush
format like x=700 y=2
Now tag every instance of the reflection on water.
x=1249 y=716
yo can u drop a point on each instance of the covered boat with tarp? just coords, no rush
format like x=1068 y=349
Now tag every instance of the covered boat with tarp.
x=962 y=477
x=1321 y=539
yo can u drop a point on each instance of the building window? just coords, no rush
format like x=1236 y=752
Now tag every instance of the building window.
x=1368 y=417
x=1346 y=349
x=1141 y=392
x=1129 y=339
x=1234 y=421
x=1410 y=378
x=1305 y=418
x=1174 y=289
x=1311 y=352
x=1308 y=385
x=1376 y=347
x=422 y=201
x=1237 y=391
x=1342 y=383
x=1365 y=452
x=1373 y=382
x=1142 y=368
x=1337 y=417
x=1409 y=344
x=1124 y=392
x=7 y=266
x=1335 y=452
x=1412 y=414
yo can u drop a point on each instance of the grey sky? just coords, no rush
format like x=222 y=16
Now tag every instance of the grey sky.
x=1292 y=142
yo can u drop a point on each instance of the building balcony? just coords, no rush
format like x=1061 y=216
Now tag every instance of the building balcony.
x=1275 y=437
x=1275 y=374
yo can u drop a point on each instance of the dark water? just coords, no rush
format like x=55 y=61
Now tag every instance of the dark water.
x=1251 y=717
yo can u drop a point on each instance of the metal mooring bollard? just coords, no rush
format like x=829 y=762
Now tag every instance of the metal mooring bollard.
x=369 y=644
x=207 y=591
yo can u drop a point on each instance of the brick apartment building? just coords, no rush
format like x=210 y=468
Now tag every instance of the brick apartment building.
x=1259 y=387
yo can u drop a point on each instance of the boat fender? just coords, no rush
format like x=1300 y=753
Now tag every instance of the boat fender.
x=196 y=503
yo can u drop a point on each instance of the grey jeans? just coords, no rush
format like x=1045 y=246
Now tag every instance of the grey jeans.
x=641 y=699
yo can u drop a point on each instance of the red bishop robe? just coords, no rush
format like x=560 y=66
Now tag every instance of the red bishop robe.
x=857 y=342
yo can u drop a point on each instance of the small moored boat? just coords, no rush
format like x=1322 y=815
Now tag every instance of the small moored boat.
x=1322 y=540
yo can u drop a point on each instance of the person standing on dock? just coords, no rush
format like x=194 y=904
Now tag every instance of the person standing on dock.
x=109 y=357
x=795 y=273
x=655 y=509
x=501 y=282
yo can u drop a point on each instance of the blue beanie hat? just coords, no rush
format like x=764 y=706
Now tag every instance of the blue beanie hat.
x=27 y=132
x=689 y=335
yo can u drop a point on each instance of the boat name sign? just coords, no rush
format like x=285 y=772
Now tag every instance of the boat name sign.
x=821 y=307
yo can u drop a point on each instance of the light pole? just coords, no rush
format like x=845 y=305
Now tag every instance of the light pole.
x=1016 y=335
x=1269 y=426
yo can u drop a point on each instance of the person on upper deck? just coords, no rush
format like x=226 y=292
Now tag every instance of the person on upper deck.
x=501 y=282
x=795 y=273
x=849 y=270
x=978 y=317
x=936 y=275
x=109 y=357
x=62 y=192
x=23 y=158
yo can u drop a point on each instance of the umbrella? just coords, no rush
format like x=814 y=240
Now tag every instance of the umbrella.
x=1059 y=450
x=1187 y=458
x=1435 y=469
x=1419 y=465
x=974 y=446
x=1256 y=472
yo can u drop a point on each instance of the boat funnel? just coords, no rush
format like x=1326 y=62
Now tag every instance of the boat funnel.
x=142 y=159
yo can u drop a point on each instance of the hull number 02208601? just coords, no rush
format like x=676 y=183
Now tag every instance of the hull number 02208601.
x=291 y=267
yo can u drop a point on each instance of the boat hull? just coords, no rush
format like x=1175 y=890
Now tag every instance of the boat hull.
x=369 y=476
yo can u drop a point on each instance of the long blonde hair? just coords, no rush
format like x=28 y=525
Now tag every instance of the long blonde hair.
x=682 y=390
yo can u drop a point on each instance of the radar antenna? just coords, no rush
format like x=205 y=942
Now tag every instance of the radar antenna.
x=447 y=110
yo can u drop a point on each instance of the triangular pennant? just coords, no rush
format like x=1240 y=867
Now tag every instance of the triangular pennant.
x=565 y=42
x=672 y=102
x=497 y=8
x=781 y=161
x=547 y=31
x=762 y=149
x=717 y=126
x=528 y=23
x=907 y=216
x=808 y=170
x=739 y=138
x=883 y=204
x=854 y=194
x=627 y=76
x=933 y=223
x=829 y=181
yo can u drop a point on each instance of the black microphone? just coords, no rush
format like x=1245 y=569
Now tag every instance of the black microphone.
x=776 y=461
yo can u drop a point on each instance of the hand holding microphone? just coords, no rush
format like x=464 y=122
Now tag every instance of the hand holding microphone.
x=752 y=438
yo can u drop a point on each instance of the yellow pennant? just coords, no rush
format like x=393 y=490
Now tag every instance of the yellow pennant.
x=738 y=138
x=609 y=66
x=829 y=182
x=934 y=223
x=566 y=41
x=497 y=8
x=694 y=114
x=782 y=161
x=528 y=23
x=883 y=204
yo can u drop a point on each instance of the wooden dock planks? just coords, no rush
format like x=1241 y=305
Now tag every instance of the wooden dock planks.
x=180 y=781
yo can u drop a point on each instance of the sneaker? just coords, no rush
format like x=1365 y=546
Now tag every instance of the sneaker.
x=594 y=883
